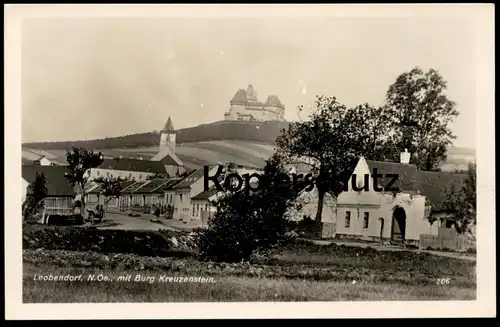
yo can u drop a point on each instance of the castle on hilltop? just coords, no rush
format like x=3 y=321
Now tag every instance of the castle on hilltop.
x=246 y=106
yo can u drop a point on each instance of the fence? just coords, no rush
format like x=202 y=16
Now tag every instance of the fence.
x=447 y=238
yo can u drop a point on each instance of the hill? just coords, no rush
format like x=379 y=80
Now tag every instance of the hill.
x=265 y=132
x=244 y=143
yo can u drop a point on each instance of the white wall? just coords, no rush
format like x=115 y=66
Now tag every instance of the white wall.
x=45 y=162
x=379 y=205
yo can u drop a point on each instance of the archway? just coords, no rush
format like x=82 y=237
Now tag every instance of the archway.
x=398 y=225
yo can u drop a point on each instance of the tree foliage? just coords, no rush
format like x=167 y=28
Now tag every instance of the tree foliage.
x=246 y=222
x=36 y=192
x=111 y=186
x=334 y=137
x=460 y=201
x=419 y=113
x=80 y=162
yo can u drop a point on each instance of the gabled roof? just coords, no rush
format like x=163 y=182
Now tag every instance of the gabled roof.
x=406 y=174
x=128 y=185
x=97 y=188
x=132 y=188
x=190 y=179
x=168 y=185
x=126 y=164
x=167 y=157
x=55 y=181
x=433 y=185
x=240 y=97
x=151 y=185
x=205 y=195
x=169 y=127
x=273 y=101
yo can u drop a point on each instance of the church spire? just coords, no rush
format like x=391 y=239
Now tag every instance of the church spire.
x=169 y=127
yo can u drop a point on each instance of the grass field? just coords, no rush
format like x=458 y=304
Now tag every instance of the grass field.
x=299 y=273
x=224 y=288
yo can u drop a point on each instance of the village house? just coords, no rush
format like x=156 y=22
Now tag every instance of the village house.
x=126 y=168
x=202 y=207
x=389 y=216
x=94 y=196
x=188 y=187
x=60 y=194
x=151 y=192
x=132 y=199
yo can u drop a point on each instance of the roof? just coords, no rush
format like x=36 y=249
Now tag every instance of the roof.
x=29 y=155
x=190 y=179
x=240 y=96
x=273 y=101
x=205 y=195
x=126 y=164
x=406 y=174
x=98 y=187
x=166 y=157
x=132 y=188
x=434 y=186
x=168 y=185
x=151 y=185
x=55 y=181
x=169 y=127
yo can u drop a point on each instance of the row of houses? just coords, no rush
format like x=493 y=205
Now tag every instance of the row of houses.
x=369 y=214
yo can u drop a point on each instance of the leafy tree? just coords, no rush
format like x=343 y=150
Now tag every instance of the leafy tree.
x=334 y=137
x=111 y=187
x=248 y=221
x=460 y=201
x=80 y=162
x=419 y=114
x=36 y=192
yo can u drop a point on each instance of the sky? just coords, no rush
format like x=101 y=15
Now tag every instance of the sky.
x=85 y=78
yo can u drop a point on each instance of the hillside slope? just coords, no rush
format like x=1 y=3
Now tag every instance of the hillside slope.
x=223 y=130
x=244 y=143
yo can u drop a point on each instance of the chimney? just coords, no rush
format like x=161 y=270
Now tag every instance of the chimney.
x=405 y=157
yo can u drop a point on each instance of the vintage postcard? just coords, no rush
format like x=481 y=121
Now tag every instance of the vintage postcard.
x=249 y=161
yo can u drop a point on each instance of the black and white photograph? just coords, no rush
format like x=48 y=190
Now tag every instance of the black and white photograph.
x=169 y=155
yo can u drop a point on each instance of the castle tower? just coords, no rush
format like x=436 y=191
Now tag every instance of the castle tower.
x=167 y=138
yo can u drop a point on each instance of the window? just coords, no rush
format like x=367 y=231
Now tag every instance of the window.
x=347 y=219
x=193 y=210
x=197 y=210
x=130 y=176
x=180 y=195
x=366 y=219
x=140 y=176
x=98 y=173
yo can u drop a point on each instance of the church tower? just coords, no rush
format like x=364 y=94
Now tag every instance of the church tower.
x=167 y=138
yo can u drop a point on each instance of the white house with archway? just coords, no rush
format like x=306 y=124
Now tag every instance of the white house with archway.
x=383 y=214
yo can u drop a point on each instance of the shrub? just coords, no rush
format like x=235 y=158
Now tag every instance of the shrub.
x=246 y=222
